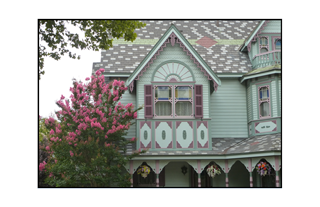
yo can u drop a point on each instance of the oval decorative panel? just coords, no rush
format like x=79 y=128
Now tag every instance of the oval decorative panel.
x=184 y=134
x=163 y=134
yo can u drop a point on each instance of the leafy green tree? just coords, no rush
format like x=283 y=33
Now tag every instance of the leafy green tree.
x=87 y=146
x=99 y=34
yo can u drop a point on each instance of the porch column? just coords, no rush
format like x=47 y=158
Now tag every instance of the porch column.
x=250 y=172
x=277 y=171
x=157 y=173
x=226 y=171
x=199 y=172
x=227 y=180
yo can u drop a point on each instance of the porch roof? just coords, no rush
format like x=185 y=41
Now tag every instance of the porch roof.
x=229 y=146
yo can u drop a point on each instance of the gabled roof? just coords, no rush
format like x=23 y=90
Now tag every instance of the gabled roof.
x=173 y=36
x=253 y=35
x=222 y=57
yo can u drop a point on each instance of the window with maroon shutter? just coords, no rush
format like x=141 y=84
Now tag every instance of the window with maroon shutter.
x=198 y=101
x=148 y=101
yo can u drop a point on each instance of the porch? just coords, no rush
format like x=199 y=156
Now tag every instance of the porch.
x=193 y=173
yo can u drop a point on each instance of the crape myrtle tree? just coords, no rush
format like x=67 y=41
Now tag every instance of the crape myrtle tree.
x=87 y=146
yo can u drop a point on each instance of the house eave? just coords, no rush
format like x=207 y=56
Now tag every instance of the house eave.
x=158 y=45
x=263 y=73
x=252 y=35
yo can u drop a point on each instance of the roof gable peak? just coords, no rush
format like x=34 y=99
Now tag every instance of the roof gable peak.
x=173 y=36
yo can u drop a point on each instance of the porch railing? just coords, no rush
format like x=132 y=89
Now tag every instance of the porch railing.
x=266 y=59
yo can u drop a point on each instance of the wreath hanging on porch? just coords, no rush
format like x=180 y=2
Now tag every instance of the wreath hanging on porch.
x=143 y=170
x=213 y=170
x=263 y=168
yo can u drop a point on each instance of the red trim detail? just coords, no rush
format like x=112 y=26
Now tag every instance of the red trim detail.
x=198 y=91
x=206 y=145
x=148 y=109
x=178 y=124
x=157 y=123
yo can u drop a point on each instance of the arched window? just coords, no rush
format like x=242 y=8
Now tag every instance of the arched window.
x=263 y=50
x=263 y=41
x=278 y=44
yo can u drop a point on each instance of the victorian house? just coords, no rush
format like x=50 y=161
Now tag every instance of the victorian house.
x=211 y=92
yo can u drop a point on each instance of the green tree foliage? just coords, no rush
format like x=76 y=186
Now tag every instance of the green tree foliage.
x=87 y=146
x=99 y=34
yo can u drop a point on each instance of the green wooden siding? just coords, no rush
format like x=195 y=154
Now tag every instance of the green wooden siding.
x=174 y=176
x=254 y=102
x=274 y=99
x=249 y=103
x=273 y=27
x=129 y=98
x=279 y=95
x=172 y=53
x=228 y=110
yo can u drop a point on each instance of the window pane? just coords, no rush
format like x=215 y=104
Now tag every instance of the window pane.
x=163 y=93
x=183 y=93
x=264 y=109
x=163 y=108
x=264 y=93
x=263 y=41
x=183 y=108
x=278 y=44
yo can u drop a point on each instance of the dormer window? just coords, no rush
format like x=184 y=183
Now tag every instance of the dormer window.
x=263 y=41
x=264 y=46
x=173 y=101
x=163 y=101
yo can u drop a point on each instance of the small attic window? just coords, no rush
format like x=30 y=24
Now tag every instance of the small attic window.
x=263 y=41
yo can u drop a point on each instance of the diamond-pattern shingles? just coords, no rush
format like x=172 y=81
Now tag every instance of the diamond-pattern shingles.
x=221 y=57
x=206 y=42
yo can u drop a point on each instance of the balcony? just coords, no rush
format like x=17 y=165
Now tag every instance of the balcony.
x=266 y=59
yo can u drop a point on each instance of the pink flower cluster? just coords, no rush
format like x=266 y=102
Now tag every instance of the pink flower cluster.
x=98 y=72
x=55 y=139
x=71 y=154
x=42 y=166
x=50 y=121
x=96 y=124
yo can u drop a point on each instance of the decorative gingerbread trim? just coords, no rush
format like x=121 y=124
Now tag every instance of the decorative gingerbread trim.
x=257 y=35
x=172 y=39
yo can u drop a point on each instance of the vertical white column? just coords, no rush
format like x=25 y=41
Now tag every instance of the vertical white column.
x=250 y=172
x=227 y=171
x=199 y=172
x=277 y=171
x=157 y=173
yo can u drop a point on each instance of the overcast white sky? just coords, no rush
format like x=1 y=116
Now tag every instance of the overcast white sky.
x=57 y=79
x=58 y=76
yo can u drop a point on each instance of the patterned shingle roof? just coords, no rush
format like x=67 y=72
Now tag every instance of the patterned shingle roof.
x=228 y=146
x=223 y=56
